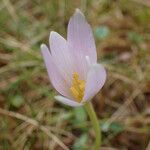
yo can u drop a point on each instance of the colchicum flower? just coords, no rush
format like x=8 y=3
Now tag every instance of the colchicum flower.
x=72 y=64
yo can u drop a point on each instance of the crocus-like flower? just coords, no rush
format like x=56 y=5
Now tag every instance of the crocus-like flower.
x=72 y=64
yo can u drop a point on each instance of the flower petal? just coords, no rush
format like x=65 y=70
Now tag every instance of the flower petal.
x=95 y=80
x=67 y=101
x=61 y=55
x=57 y=80
x=80 y=36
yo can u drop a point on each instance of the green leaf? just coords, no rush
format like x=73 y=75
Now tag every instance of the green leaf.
x=135 y=37
x=80 y=115
x=113 y=127
x=116 y=127
x=80 y=143
x=102 y=32
x=17 y=101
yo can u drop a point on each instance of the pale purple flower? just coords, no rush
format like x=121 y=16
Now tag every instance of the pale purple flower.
x=72 y=64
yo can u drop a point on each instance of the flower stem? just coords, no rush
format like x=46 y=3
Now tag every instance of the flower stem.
x=92 y=115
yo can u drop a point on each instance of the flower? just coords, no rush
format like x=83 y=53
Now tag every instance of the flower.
x=72 y=64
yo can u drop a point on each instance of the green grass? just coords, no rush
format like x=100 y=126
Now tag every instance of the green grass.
x=122 y=33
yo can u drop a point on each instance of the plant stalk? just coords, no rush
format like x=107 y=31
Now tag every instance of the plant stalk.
x=94 y=120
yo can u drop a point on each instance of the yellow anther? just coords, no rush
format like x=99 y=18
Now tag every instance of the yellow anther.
x=75 y=75
x=78 y=87
x=74 y=91
x=82 y=86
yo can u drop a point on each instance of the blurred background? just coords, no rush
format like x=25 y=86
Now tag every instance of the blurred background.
x=30 y=118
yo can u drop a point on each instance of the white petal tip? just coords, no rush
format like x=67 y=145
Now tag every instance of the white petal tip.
x=43 y=47
x=78 y=12
x=67 y=101
x=44 y=50
x=52 y=32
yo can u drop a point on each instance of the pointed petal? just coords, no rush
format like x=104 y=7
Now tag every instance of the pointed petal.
x=57 y=80
x=61 y=54
x=67 y=101
x=95 y=80
x=80 y=36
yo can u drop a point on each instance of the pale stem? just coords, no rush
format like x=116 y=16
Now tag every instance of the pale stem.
x=92 y=115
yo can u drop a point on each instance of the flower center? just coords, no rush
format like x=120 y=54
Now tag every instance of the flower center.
x=77 y=87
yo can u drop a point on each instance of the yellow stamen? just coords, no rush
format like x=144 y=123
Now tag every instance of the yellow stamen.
x=78 y=87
